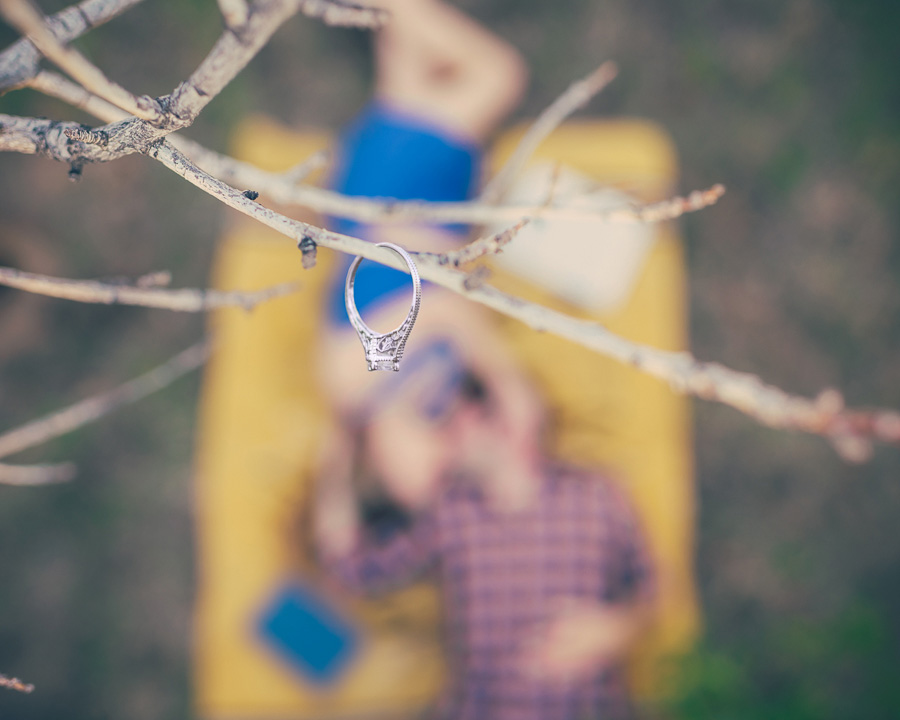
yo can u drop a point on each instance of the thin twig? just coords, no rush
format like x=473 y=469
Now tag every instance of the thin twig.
x=86 y=411
x=23 y=16
x=21 y=61
x=235 y=12
x=307 y=167
x=230 y=54
x=55 y=85
x=345 y=14
x=15 y=684
x=184 y=300
x=576 y=96
x=158 y=279
x=375 y=210
x=388 y=211
x=31 y=475
x=489 y=245
x=850 y=430
x=669 y=209
x=281 y=190
x=552 y=185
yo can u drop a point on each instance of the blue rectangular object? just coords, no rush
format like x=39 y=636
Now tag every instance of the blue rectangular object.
x=309 y=634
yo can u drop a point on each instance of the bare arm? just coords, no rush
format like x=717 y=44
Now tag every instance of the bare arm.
x=346 y=552
x=584 y=637
x=438 y=63
x=584 y=634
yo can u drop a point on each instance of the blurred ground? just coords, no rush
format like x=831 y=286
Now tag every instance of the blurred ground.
x=794 y=106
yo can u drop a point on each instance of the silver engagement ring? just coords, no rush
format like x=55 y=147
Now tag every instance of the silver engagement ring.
x=383 y=350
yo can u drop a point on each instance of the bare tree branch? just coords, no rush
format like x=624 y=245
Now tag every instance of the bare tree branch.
x=59 y=140
x=180 y=164
x=669 y=209
x=576 y=96
x=39 y=136
x=23 y=16
x=280 y=189
x=769 y=405
x=233 y=50
x=850 y=430
x=380 y=210
x=489 y=245
x=229 y=56
x=283 y=188
x=184 y=300
x=21 y=60
x=15 y=684
x=345 y=14
x=86 y=411
x=31 y=475
x=230 y=170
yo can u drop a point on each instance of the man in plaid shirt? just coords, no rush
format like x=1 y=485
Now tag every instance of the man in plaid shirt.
x=544 y=571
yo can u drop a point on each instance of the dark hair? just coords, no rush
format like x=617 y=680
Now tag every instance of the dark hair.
x=473 y=389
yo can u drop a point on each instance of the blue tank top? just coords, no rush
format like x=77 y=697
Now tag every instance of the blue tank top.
x=387 y=153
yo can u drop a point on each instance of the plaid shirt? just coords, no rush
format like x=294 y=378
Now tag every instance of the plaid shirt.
x=502 y=574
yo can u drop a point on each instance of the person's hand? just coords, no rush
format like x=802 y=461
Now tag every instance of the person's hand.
x=579 y=638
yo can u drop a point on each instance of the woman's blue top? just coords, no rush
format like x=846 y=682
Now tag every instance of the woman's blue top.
x=386 y=153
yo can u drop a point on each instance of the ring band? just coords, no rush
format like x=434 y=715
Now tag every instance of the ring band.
x=383 y=350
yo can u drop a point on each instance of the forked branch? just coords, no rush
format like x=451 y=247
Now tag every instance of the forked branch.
x=152 y=119
x=22 y=15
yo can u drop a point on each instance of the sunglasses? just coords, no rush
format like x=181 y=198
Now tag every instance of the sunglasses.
x=437 y=382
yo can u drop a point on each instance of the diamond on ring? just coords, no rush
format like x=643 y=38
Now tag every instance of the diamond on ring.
x=383 y=350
